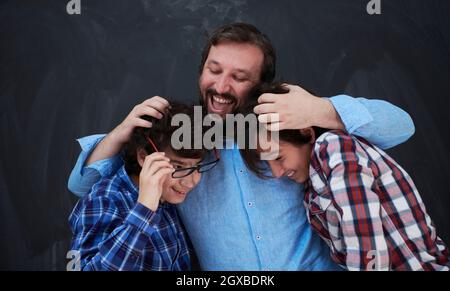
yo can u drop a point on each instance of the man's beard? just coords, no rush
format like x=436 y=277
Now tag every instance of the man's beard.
x=210 y=92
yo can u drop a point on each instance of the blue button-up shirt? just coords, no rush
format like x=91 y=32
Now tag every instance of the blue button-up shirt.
x=112 y=232
x=237 y=221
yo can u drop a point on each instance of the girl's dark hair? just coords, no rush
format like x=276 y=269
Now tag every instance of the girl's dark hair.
x=293 y=136
x=244 y=33
x=160 y=133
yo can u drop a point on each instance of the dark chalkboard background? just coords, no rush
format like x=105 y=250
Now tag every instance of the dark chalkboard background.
x=65 y=76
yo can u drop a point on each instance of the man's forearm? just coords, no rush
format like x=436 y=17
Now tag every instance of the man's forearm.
x=327 y=116
x=107 y=148
x=379 y=122
x=112 y=144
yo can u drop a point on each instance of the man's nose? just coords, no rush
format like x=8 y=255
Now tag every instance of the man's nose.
x=223 y=84
x=277 y=170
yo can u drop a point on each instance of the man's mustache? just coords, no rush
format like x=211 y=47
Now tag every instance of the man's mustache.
x=212 y=91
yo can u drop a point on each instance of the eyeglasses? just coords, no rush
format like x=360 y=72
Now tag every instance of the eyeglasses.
x=183 y=172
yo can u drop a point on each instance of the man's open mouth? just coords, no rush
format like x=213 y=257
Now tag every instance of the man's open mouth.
x=220 y=104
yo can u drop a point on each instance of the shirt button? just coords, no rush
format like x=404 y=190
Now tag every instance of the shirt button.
x=241 y=171
x=258 y=237
x=250 y=204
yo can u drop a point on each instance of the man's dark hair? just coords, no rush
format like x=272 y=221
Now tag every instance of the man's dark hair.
x=250 y=156
x=244 y=33
x=160 y=133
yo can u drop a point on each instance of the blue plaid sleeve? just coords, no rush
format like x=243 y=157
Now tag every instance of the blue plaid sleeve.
x=108 y=239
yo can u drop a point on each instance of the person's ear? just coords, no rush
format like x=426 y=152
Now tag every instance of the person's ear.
x=140 y=156
x=309 y=131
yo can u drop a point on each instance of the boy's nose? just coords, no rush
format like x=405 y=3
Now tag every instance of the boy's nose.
x=188 y=181
x=277 y=170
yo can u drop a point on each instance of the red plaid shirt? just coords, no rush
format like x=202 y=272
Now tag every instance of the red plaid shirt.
x=368 y=210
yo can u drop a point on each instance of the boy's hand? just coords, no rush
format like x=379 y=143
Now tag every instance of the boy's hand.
x=155 y=170
x=151 y=107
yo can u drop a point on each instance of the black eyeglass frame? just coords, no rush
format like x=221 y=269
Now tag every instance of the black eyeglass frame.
x=190 y=169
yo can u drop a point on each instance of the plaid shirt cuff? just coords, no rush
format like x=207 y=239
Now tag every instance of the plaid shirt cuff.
x=143 y=219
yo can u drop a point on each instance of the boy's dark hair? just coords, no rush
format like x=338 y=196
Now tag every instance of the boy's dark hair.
x=160 y=133
x=244 y=33
x=250 y=156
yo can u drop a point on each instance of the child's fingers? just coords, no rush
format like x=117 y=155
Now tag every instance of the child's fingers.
x=163 y=172
x=157 y=165
x=160 y=156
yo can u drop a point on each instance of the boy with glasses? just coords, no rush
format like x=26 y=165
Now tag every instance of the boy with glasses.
x=129 y=221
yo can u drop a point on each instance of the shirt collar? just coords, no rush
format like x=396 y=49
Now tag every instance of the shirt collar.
x=123 y=175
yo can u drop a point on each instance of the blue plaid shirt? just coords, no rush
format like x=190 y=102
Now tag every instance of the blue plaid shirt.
x=113 y=232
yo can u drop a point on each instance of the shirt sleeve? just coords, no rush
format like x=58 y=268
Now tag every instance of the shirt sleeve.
x=356 y=207
x=82 y=177
x=381 y=123
x=105 y=240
